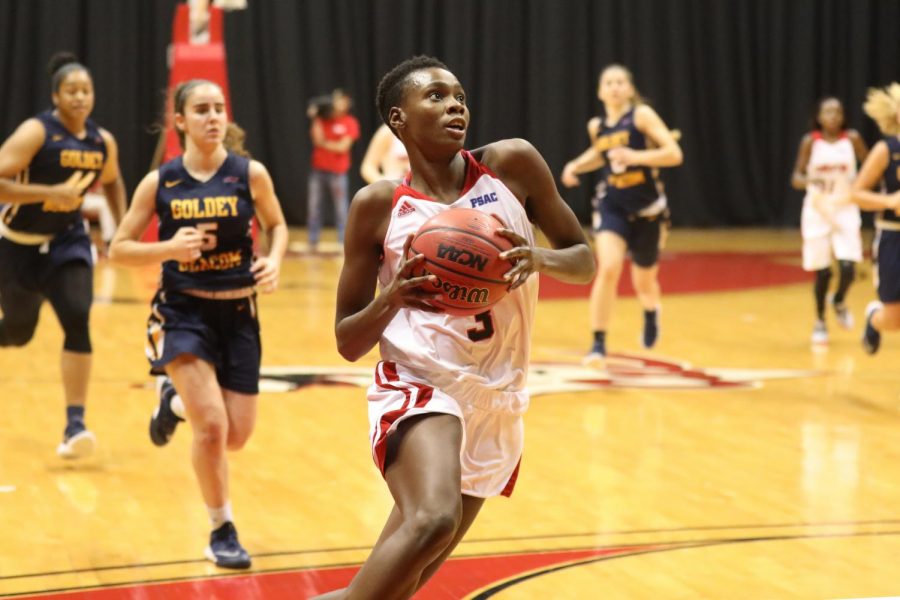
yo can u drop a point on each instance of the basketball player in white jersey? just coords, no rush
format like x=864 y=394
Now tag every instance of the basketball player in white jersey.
x=385 y=158
x=446 y=407
x=825 y=168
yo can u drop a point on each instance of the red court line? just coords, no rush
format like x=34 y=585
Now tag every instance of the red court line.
x=457 y=578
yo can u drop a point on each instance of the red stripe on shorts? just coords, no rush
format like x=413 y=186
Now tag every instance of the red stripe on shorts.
x=423 y=396
x=508 y=490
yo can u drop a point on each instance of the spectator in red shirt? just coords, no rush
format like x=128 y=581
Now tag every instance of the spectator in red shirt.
x=333 y=132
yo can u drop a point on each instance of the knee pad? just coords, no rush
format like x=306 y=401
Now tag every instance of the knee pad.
x=75 y=326
x=823 y=276
x=847 y=268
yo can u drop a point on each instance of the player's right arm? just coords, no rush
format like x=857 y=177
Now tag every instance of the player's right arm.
x=587 y=161
x=361 y=316
x=798 y=177
x=126 y=247
x=16 y=154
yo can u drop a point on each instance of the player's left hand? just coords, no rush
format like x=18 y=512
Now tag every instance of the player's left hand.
x=265 y=270
x=526 y=258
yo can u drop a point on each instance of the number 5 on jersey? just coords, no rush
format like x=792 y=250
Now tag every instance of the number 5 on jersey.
x=208 y=230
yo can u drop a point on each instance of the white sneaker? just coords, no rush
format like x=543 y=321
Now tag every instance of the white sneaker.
x=80 y=445
x=594 y=360
x=819 y=334
x=843 y=315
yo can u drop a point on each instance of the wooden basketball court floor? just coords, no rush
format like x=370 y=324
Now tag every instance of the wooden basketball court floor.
x=732 y=461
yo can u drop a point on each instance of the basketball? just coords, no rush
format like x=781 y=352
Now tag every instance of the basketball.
x=462 y=248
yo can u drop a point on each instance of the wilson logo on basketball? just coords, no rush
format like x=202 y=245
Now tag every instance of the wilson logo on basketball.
x=477 y=296
x=466 y=258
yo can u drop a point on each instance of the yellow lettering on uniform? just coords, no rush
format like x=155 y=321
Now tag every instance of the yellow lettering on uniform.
x=81 y=159
x=204 y=208
x=629 y=179
x=612 y=140
x=213 y=262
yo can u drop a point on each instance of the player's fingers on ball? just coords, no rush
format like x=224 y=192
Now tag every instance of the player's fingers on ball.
x=514 y=253
x=411 y=262
x=414 y=282
x=407 y=244
x=511 y=235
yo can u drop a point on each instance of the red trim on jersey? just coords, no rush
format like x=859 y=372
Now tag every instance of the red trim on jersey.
x=817 y=134
x=474 y=171
x=379 y=446
x=508 y=490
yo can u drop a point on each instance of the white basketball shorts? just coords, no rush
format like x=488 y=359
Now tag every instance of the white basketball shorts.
x=492 y=440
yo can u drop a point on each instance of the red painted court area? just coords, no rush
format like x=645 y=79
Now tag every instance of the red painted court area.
x=700 y=272
x=473 y=577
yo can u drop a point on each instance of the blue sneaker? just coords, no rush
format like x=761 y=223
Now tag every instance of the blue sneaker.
x=164 y=420
x=871 y=338
x=225 y=550
x=651 y=328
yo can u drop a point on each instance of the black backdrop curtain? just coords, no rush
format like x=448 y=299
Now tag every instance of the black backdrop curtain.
x=737 y=77
x=122 y=42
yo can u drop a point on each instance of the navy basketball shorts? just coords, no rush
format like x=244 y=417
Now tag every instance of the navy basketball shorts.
x=641 y=234
x=31 y=267
x=224 y=333
x=888 y=258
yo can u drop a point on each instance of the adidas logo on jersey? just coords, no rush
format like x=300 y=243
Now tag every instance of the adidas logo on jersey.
x=405 y=209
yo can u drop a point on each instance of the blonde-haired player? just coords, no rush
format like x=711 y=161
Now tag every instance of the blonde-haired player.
x=883 y=164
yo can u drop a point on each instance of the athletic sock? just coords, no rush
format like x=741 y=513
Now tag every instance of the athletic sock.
x=220 y=516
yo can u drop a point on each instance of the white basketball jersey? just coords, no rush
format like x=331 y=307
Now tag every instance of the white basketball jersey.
x=456 y=353
x=831 y=170
x=831 y=163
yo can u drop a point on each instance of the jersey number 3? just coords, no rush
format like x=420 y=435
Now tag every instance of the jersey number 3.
x=486 y=329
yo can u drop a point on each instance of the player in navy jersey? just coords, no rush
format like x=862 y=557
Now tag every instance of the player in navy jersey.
x=446 y=405
x=203 y=332
x=630 y=142
x=883 y=165
x=824 y=169
x=45 y=251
